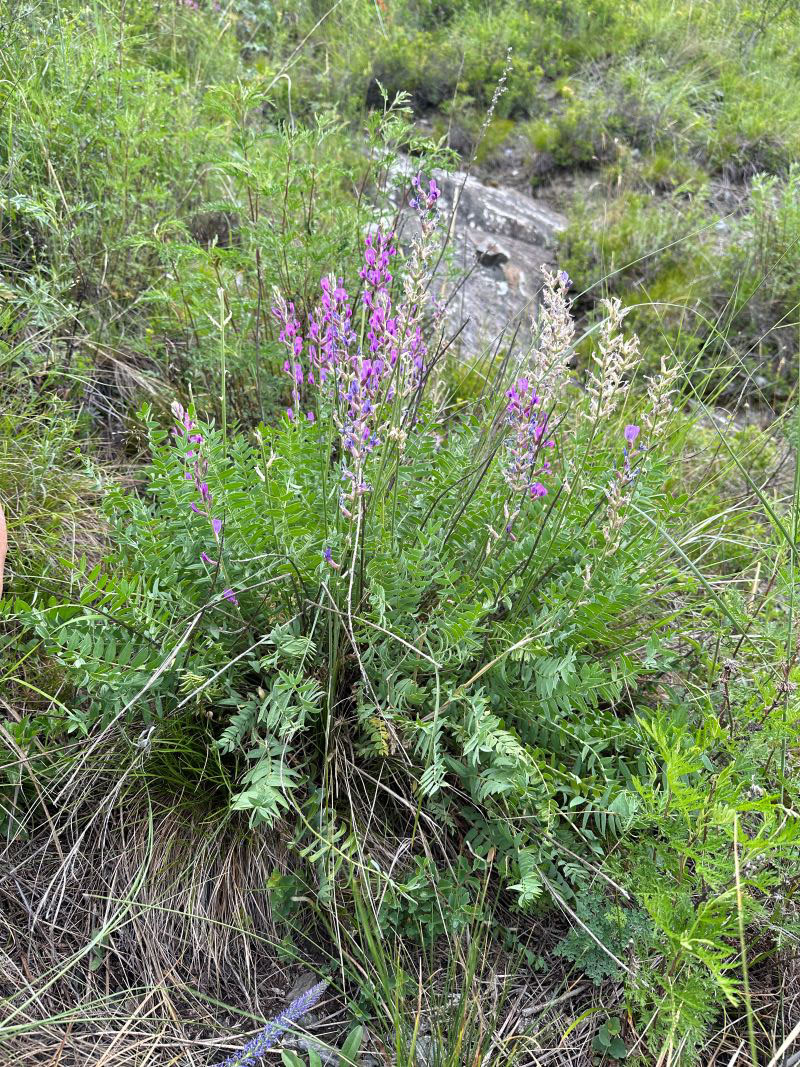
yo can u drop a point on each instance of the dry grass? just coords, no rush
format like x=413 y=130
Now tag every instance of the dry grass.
x=136 y=933
x=127 y=927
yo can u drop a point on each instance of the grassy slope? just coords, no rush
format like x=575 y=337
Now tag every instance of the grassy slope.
x=647 y=122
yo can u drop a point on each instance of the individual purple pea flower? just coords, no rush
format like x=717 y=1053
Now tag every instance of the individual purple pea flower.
x=204 y=556
x=327 y=555
x=216 y=526
x=631 y=435
x=252 y=1052
x=230 y=595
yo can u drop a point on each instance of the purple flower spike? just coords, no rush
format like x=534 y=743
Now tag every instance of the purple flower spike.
x=358 y=376
x=327 y=555
x=266 y=1039
x=292 y=337
x=524 y=465
x=197 y=471
x=631 y=433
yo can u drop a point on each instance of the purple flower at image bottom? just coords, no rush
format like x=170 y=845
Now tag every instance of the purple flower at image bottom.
x=252 y=1052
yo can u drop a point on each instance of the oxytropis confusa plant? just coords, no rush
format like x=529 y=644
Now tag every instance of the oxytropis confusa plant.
x=360 y=365
x=366 y=365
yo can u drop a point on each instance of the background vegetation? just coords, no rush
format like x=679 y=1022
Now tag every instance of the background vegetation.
x=520 y=796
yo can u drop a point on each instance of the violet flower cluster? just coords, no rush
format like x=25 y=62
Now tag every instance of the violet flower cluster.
x=186 y=428
x=524 y=466
x=252 y=1052
x=291 y=336
x=359 y=374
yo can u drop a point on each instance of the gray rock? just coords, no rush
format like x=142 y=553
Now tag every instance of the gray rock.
x=499 y=240
x=500 y=211
x=425 y=1053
